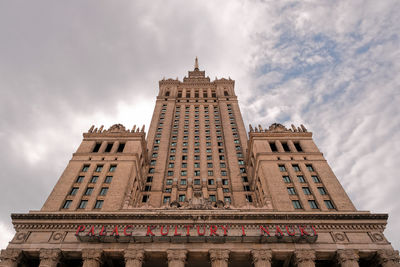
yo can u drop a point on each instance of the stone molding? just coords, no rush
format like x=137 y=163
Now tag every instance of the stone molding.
x=304 y=255
x=261 y=255
x=134 y=254
x=345 y=255
x=176 y=254
x=219 y=255
x=386 y=255
x=92 y=254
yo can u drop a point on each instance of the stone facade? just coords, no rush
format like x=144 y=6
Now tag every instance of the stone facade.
x=198 y=191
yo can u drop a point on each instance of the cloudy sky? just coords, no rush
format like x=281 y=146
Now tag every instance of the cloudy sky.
x=332 y=65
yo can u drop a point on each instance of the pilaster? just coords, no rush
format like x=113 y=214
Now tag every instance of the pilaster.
x=347 y=257
x=388 y=258
x=219 y=257
x=304 y=258
x=176 y=257
x=92 y=257
x=49 y=257
x=133 y=257
x=10 y=257
x=261 y=257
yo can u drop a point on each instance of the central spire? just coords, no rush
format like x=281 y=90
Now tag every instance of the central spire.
x=196 y=64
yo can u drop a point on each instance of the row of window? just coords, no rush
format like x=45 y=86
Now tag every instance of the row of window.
x=306 y=190
x=99 y=168
x=83 y=204
x=296 y=168
x=108 y=147
x=285 y=146
x=312 y=203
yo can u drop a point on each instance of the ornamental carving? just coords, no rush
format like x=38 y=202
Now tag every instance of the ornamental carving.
x=386 y=255
x=49 y=257
x=10 y=254
x=344 y=255
x=339 y=237
x=219 y=255
x=176 y=254
x=261 y=255
x=278 y=128
x=92 y=254
x=304 y=256
x=134 y=254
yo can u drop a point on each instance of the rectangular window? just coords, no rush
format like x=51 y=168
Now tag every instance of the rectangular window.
x=172 y=157
x=184 y=157
x=197 y=181
x=67 y=204
x=155 y=155
x=227 y=199
x=242 y=170
x=96 y=147
x=85 y=168
x=315 y=179
x=151 y=170
x=291 y=191
x=310 y=167
x=282 y=168
x=171 y=165
x=99 y=204
x=167 y=199
x=73 y=191
x=306 y=191
x=322 y=190
x=173 y=144
x=197 y=164
x=145 y=198
x=296 y=167
x=169 y=182
x=225 y=181
x=209 y=165
x=209 y=157
x=210 y=181
x=241 y=162
x=182 y=198
x=88 y=191
x=249 y=198
x=112 y=168
x=157 y=141
x=149 y=179
x=213 y=198
x=223 y=173
x=183 y=173
x=183 y=182
x=168 y=190
x=153 y=162
x=108 y=179
x=80 y=179
x=301 y=178
x=173 y=150
x=147 y=188
x=210 y=173
x=94 y=179
x=222 y=165
x=155 y=148
x=286 y=179
x=285 y=147
x=196 y=150
x=196 y=173
x=225 y=190
x=313 y=204
x=296 y=204
x=244 y=179
x=298 y=147
x=220 y=150
x=170 y=173
x=246 y=188
x=196 y=157
x=329 y=204
x=83 y=204
x=237 y=147
x=184 y=165
x=108 y=147
x=103 y=191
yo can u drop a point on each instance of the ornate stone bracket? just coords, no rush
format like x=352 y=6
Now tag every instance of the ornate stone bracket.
x=219 y=257
x=176 y=257
x=261 y=257
x=49 y=257
x=133 y=257
x=304 y=258
x=347 y=257
x=10 y=257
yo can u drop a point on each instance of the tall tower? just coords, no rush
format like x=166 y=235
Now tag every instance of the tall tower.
x=199 y=191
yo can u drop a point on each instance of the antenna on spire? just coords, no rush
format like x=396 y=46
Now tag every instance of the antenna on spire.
x=196 y=64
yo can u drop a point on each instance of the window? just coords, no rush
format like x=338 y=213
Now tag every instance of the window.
x=322 y=190
x=171 y=165
x=184 y=157
x=67 y=204
x=147 y=188
x=225 y=181
x=222 y=165
x=151 y=170
x=210 y=173
x=96 y=147
x=88 y=191
x=85 y=168
x=242 y=170
x=282 y=168
x=183 y=182
x=310 y=167
x=236 y=141
x=291 y=191
x=94 y=179
x=196 y=173
x=173 y=144
x=286 y=179
x=329 y=204
x=208 y=150
x=80 y=179
x=313 y=204
x=168 y=190
x=301 y=178
x=237 y=147
x=246 y=188
x=298 y=147
x=220 y=150
x=306 y=191
x=149 y=179
x=221 y=157
x=167 y=199
x=249 y=198
x=170 y=173
x=112 y=168
x=155 y=148
x=99 y=204
x=169 y=182
x=296 y=167
x=296 y=204
x=145 y=198
x=196 y=143
x=157 y=141
x=155 y=155
x=74 y=190
x=197 y=181
x=197 y=164
x=315 y=179
x=196 y=157
x=157 y=136
x=83 y=204
x=174 y=137
x=108 y=179
x=213 y=198
x=173 y=150
x=244 y=179
x=103 y=191
x=183 y=173
x=210 y=181
x=285 y=147
x=108 y=147
x=153 y=162
x=208 y=144
x=209 y=157
x=182 y=198
x=241 y=162
x=225 y=190
x=223 y=173
x=184 y=165
x=239 y=155
x=227 y=199
x=172 y=157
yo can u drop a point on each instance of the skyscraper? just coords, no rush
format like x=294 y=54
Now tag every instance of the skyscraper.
x=198 y=190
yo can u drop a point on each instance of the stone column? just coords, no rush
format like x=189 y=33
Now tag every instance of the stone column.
x=174 y=190
x=133 y=257
x=347 y=257
x=10 y=257
x=219 y=257
x=261 y=257
x=49 y=257
x=189 y=194
x=220 y=193
x=304 y=258
x=176 y=257
x=92 y=257
x=204 y=187
x=388 y=258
